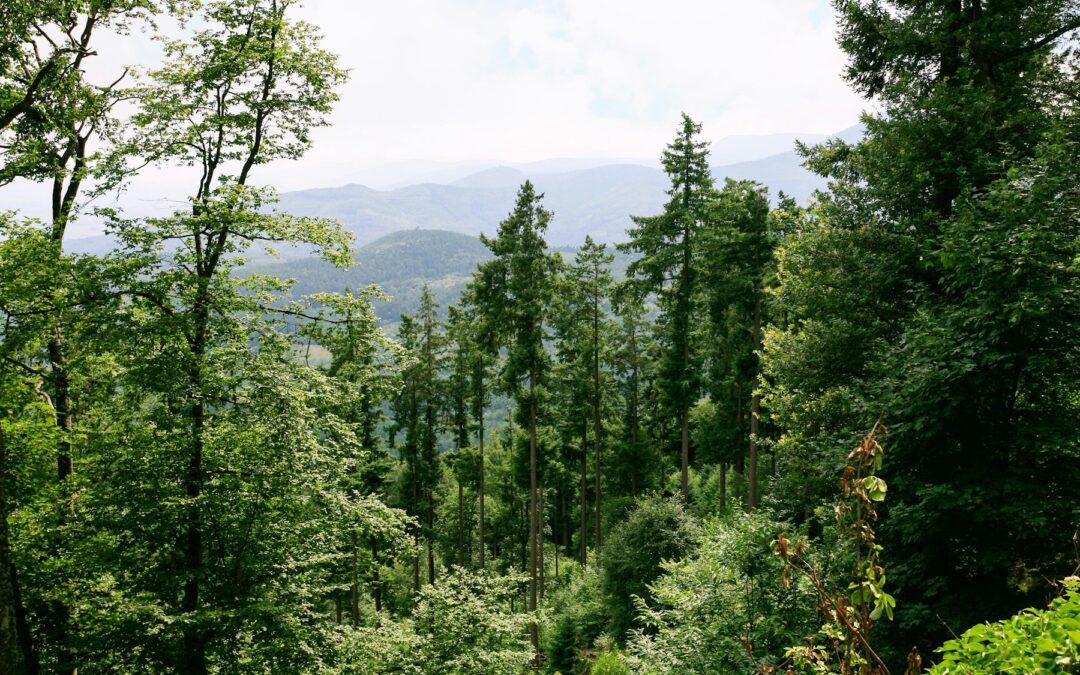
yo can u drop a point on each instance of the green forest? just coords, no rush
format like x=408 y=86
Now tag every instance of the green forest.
x=753 y=436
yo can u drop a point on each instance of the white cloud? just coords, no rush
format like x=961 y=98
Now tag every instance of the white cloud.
x=514 y=80
x=444 y=80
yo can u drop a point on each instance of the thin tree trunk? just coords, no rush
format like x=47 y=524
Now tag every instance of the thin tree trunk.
x=430 y=550
x=633 y=414
x=416 y=506
x=61 y=398
x=461 y=524
x=739 y=461
x=354 y=589
x=376 y=583
x=540 y=534
x=724 y=486
x=685 y=300
x=481 y=422
x=684 y=482
x=534 y=632
x=755 y=410
x=597 y=443
x=337 y=606
x=584 y=492
x=17 y=655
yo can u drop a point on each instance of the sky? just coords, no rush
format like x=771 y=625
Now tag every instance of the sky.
x=526 y=80
x=521 y=80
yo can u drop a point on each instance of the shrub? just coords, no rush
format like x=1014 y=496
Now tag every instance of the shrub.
x=1033 y=641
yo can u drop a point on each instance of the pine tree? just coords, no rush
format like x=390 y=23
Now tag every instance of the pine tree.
x=514 y=291
x=667 y=245
x=736 y=262
x=591 y=279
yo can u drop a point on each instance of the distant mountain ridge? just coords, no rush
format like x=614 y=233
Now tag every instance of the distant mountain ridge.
x=587 y=196
x=596 y=200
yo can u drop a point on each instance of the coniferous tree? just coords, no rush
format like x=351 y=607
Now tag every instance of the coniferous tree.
x=667 y=245
x=515 y=291
x=590 y=278
x=736 y=261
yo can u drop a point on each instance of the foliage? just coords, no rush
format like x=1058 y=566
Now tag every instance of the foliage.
x=668 y=245
x=610 y=662
x=962 y=295
x=577 y=617
x=843 y=642
x=1033 y=641
x=710 y=606
x=656 y=530
x=462 y=625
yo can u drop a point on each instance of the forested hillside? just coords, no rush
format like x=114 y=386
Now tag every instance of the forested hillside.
x=401 y=265
x=755 y=435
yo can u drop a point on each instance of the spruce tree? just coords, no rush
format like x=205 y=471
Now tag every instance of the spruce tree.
x=515 y=292
x=667 y=246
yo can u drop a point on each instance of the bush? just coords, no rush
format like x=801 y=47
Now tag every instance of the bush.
x=577 y=617
x=1033 y=641
x=610 y=663
x=706 y=604
x=657 y=530
x=461 y=625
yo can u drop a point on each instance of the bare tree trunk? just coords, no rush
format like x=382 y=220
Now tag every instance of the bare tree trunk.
x=481 y=420
x=633 y=415
x=354 y=589
x=584 y=493
x=684 y=483
x=416 y=505
x=534 y=632
x=194 y=647
x=723 y=486
x=739 y=461
x=755 y=410
x=430 y=552
x=461 y=524
x=597 y=441
x=376 y=583
x=540 y=534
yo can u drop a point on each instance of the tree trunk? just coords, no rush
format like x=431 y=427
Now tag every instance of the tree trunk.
x=684 y=481
x=193 y=659
x=481 y=431
x=597 y=440
x=739 y=465
x=542 y=562
x=430 y=553
x=17 y=655
x=354 y=589
x=415 y=507
x=584 y=492
x=633 y=415
x=755 y=410
x=723 y=486
x=534 y=632
x=461 y=524
x=376 y=583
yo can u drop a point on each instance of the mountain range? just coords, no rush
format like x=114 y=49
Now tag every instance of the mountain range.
x=596 y=200
x=588 y=196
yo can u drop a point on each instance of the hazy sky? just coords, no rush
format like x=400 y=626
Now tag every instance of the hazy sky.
x=522 y=80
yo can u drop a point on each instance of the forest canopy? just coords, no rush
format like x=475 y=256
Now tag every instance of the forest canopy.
x=754 y=436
